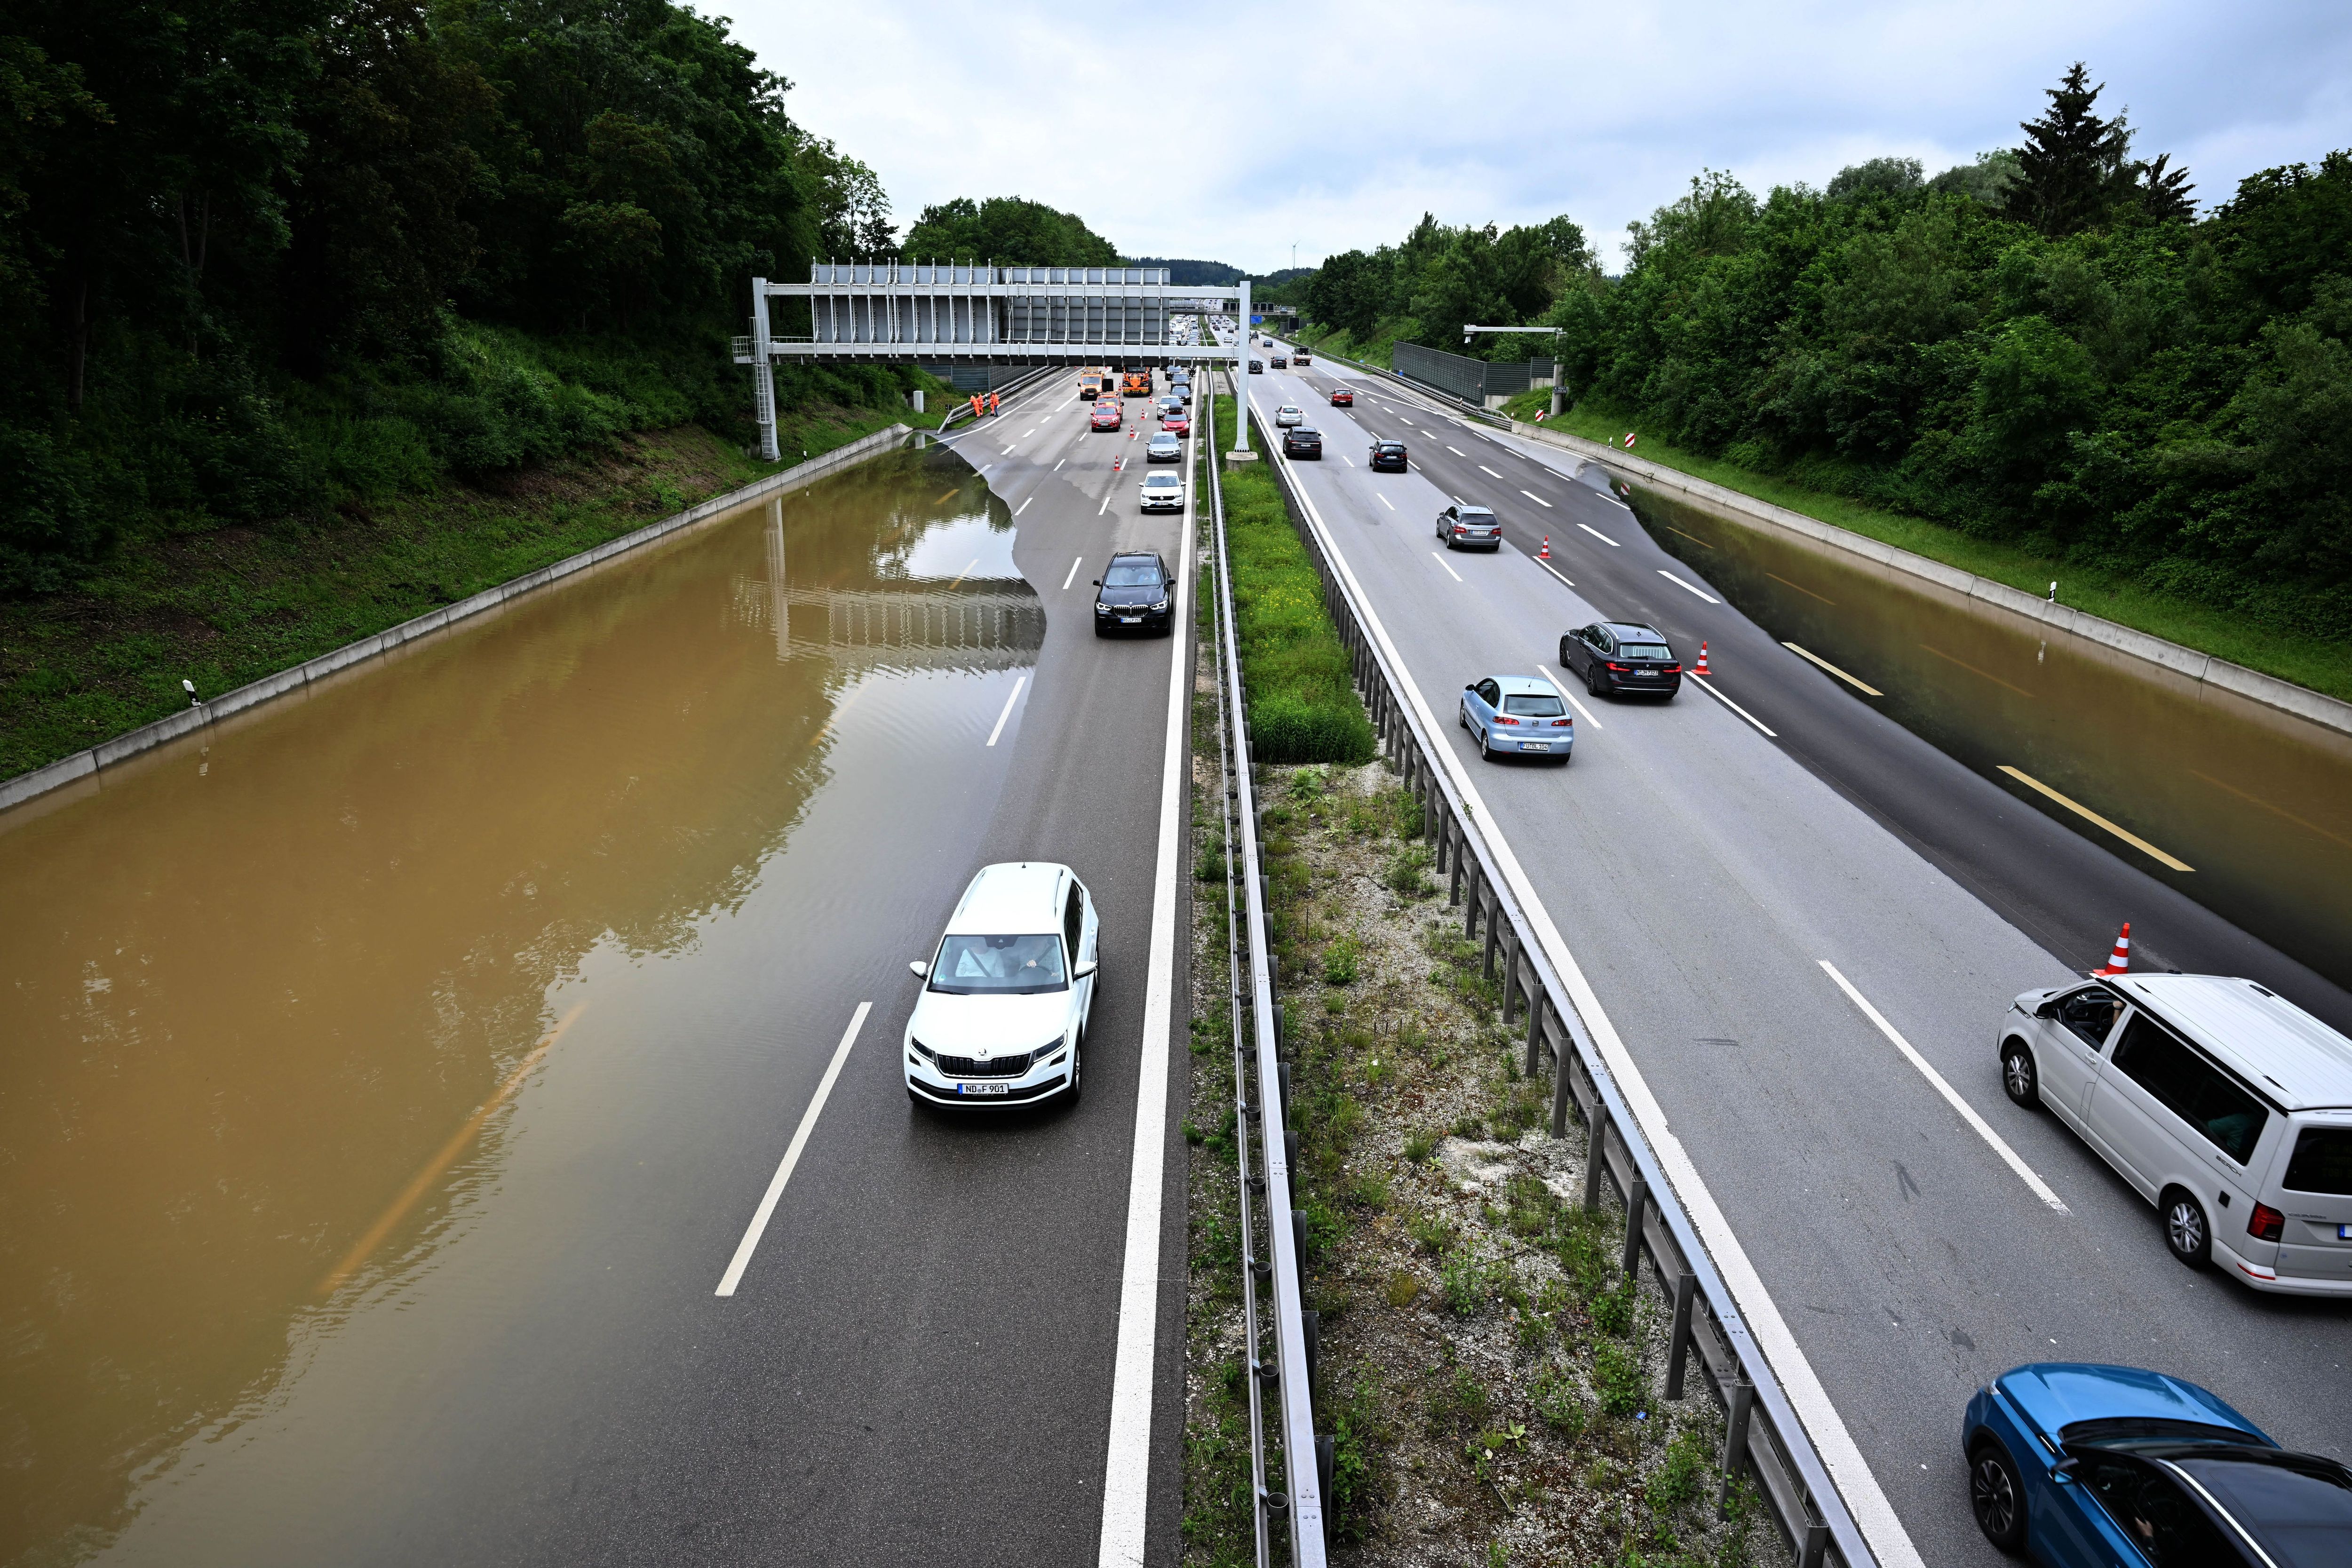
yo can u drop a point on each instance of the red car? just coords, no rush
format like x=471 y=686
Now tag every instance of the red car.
x=1176 y=422
x=1343 y=399
x=1106 y=415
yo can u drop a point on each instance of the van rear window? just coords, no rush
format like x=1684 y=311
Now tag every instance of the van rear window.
x=2190 y=1087
x=2322 y=1162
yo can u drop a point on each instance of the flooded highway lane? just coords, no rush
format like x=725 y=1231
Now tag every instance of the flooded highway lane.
x=2256 y=803
x=367 y=1062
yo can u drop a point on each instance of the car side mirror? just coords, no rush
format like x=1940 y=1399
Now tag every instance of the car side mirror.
x=923 y=971
x=2048 y=1009
x=1097 y=581
x=1086 y=966
x=1469 y=686
x=2063 y=1470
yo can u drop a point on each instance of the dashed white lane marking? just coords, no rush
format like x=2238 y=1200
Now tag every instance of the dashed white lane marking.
x=1564 y=691
x=1384 y=501
x=1688 y=587
x=1455 y=450
x=1441 y=560
x=1106 y=495
x=1009 y=701
x=1023 y=507
x=1537 y=500
x=1866 y=690
x=1073 y=576
x=1727 y=702
x=1485 y=469
x=1026 y=433
x=1346 y=459
x=1967 y=1112
x=750 y=1242
x=1057 y=467
x=1599 y=535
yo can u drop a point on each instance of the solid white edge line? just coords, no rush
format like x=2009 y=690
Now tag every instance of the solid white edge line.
x=1537 y=499
x=1548 y=566
x=1680 y=584
x=1599 y=535
x=1072 y=575
x=1009 y=701
x=1564 y=691
x=1384 y=501
x=1848 y=1469
x=1127 y=1475
x=1441 y=560
x=1023 y=507
x=1704 y=685
x=1952 y=1096
x=759 y=1226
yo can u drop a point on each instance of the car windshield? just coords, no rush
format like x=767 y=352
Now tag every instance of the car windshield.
x=1163 y=481
x=2299 y=1509
x=1003 y=965
x=1534 y=707
x=1136 y=574
x=1643 y=651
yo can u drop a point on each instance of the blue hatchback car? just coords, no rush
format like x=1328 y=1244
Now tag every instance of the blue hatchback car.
x=2090 y=1466
x=1518 y=716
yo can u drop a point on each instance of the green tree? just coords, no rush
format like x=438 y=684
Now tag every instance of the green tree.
x=1010 y=231
x=2072 y=161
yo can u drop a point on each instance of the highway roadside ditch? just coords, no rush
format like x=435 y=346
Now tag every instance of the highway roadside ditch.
x=1491 y=1378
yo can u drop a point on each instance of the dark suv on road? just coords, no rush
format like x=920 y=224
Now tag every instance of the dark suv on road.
x=1298 y=441
x=1621 y=656
x=1134 y=592
x=1388 y=455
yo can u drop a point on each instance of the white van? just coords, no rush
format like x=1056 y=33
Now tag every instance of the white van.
x=2229 y=1107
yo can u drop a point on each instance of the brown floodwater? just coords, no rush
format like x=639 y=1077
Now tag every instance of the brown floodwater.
x=342 y=1045
x=2258 y=802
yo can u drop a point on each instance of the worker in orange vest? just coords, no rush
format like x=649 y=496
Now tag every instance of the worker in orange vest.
x=975 y=405
x=991 y=403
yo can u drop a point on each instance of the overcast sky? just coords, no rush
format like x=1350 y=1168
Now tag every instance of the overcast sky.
x=1349 y=121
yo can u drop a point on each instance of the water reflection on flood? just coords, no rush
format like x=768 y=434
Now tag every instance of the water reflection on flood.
x=2260 y=803
x=281 y=1007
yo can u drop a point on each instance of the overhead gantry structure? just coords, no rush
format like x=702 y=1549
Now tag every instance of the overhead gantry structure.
x=869 y=313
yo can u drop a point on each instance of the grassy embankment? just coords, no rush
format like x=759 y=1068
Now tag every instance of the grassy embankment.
x=228 y=606
x=2112 y=596
x=1302 y=694
x=1376 y=349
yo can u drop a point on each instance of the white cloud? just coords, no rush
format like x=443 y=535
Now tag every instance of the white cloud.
x=1230 y=132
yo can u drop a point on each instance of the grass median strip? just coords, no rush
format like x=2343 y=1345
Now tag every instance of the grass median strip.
x=1302 y=695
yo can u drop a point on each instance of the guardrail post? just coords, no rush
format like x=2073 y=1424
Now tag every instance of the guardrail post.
x=1511 y=989
x=1637 y=1199
x=1678 y=1351
x=1596 y=1148
x=1817 y=1546
x=1536 y=1043
x=1486 y=959
x=1453 y=885
x=1734 y=1442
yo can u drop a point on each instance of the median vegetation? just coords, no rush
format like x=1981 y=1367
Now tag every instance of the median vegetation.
x=1303 y=706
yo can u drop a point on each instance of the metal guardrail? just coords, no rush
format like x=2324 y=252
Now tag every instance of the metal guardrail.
x=1420 y=388
x=1289 y=1377
x=962 y=406
x=1762 y=1434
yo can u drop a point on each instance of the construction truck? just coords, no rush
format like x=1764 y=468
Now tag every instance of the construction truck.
x=1094 y=381
x=1136 y=384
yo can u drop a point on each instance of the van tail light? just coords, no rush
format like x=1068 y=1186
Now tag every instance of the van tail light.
x=2265 y=1224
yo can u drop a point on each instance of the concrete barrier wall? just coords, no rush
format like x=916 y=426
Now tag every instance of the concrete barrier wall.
x=244 y=698
x=2204 y=667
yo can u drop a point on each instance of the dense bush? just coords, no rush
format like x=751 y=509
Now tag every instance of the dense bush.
x=262 y=258
x=1303 y=706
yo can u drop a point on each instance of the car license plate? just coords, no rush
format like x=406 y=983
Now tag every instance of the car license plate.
x=983 y=1088
x=1535 y=745
x=2344 y=1233
x=1130 y=620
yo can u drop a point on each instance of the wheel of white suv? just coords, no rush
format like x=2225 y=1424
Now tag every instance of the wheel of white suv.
x=2018 y=1075
x=2187 y=1231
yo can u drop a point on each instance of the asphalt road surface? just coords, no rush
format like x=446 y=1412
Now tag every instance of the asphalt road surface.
x=1708 y=876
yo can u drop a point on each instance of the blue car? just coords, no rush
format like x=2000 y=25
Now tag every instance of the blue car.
x=2095 y=1466
x=1514 y=715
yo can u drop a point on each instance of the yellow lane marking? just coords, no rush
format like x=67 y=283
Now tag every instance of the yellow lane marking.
x=1800 y=588
x=2087 y=814
x=2266 y=806
x=972 y=567
x=1861 y=687
x=839 y=709
x=947 y=495
x=1694 y=537
x=444 y=1159
x=1972 y=669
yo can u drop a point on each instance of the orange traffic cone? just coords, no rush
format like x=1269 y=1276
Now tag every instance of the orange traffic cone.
x=2119 y=961
x=1701 y=668
x=1545 y=553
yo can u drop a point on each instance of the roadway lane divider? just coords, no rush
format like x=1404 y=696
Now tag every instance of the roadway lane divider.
x=1073 y=576
x=1688 y=587
x=759 y=1217
x=1599 y=535
x=1009 y=701
x=1708 y=687
x=1782 y=1425
x=2008 y=1156
x=2087 y=814
x=1441 y=560
x=1542 y=502
x=1861 y=686
x=1557 y=686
